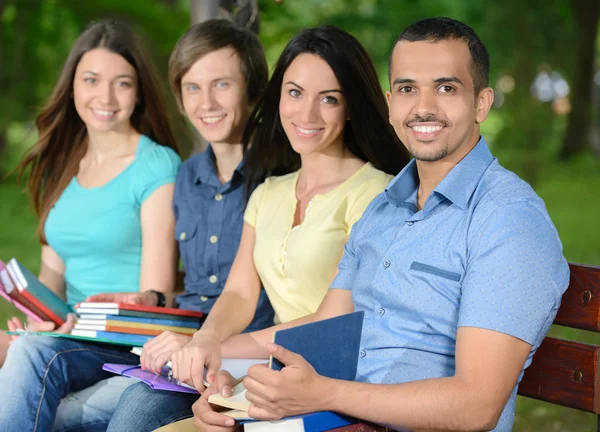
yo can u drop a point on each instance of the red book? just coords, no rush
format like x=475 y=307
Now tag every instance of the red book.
x=18 y=298
x=361 y=427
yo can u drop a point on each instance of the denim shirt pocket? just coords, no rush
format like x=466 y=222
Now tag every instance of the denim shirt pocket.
x=185 y=234
x=426 y=268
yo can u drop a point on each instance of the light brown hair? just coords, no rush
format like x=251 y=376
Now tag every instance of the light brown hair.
x=62 y=136
x=212 y=35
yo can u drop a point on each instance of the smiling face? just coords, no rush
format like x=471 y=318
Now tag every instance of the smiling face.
x=105 y=91
x=312 y=106
x=433 y=107
x=214 y=97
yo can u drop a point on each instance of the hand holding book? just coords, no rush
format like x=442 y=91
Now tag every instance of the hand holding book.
x=137 y=298
x=15 y=325
x=158 y=351
x=189 y=362
x=207 y=416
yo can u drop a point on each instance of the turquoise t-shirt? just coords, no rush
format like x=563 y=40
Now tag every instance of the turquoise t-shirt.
x=97 y=231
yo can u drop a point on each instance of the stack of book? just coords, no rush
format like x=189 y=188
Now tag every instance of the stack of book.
x=115 y=323
x=132 y=323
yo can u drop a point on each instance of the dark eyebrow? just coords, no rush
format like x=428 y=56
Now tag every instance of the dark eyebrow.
x=321 y=92
x=403 y=81
x=450 y=79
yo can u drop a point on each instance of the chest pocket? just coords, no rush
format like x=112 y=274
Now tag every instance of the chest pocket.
x=435 y=271
x=186 y=235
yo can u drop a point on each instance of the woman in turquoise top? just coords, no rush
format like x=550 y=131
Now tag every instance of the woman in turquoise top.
x=102 y=186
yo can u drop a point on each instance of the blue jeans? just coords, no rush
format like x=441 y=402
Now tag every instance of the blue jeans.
x=142 y=409
x=40 y=370
x=90 y=409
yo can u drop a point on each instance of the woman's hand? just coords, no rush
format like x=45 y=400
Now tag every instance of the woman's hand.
x=15 y=324
x=188 y=363
x=138 y=298
x=159 y=350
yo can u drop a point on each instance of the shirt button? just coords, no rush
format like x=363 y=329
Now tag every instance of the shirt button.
x=203 y=298
x=381 y=311
x=409 y=223
x=362 y=353
x=212 y=279
x=213 y=239
x=218 y=197
x=182 y=236
x=386 y=263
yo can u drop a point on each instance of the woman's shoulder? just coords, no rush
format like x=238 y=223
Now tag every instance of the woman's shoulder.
x=156 y=159
x=369 y=180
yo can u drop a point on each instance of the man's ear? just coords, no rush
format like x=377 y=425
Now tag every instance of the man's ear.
x=485 y=99
x=388 y=98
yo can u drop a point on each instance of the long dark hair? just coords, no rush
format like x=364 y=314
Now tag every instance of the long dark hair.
x=368 y=134
x=62 y=135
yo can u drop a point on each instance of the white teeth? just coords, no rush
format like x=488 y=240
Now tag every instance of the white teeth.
x=211 y=120
x=104 y=113
x=307 y=131
x=426 y=129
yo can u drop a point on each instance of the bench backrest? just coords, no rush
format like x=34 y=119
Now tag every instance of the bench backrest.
x=567 y=372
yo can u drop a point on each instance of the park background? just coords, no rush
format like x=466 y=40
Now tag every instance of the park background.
x=545 y=125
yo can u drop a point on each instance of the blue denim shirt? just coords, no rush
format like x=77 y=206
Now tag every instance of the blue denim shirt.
x=209 y=219
x=482 y=252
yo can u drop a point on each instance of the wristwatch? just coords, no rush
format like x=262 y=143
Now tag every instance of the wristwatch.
x=160 y=298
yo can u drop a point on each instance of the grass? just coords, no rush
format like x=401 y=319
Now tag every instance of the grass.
x=570 y=193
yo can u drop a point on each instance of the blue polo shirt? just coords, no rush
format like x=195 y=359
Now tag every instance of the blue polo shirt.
x=209 y=219
x=482 y=252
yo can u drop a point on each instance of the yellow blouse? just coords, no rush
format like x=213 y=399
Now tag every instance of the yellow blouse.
x=297 y=265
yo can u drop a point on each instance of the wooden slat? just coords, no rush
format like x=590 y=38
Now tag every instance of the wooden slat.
x=565 y=373
x=580 y=305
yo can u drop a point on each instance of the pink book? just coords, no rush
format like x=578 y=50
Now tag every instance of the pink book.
x=5 y=279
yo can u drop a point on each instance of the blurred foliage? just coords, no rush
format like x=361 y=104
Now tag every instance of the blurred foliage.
x=523 y=38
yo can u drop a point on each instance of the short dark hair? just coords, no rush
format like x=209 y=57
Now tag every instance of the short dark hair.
x=212 y=35
x=442 y=29
x=368 y=134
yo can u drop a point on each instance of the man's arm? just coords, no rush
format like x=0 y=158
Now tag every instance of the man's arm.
x=488 y=364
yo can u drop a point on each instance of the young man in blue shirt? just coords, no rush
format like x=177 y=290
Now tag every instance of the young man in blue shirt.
x=217 y=72
x=457 y=266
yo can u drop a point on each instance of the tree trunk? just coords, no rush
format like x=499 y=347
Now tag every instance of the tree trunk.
x=577 y=136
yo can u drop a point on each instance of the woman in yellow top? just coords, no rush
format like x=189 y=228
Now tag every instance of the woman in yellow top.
x=321 y=136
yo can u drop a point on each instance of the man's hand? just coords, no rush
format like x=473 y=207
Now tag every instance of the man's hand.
x=159 y=350
x=296 y=389
x=15 y=324
x=206 y=417
x=137 y=298
x=188 y=363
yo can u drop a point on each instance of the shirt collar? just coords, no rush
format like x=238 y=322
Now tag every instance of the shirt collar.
x=205 y=170
x=457 y=186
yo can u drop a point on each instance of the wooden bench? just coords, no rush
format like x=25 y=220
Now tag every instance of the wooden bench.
x=566 y=372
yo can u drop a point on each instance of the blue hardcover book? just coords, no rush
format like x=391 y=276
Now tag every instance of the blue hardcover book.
x=167 y=322
x=122 y=338
x=313 y=422
x=331 y=346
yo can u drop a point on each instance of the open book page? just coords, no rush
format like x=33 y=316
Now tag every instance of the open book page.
x=236 y=401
